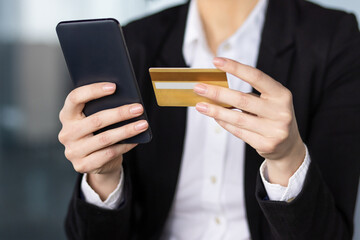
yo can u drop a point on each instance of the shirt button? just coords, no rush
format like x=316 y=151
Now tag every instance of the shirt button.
x=213 y=179
x=217 y=221
x=227 y=47
x=218 y=130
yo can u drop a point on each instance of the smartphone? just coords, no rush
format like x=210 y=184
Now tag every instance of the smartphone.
x=95 y=51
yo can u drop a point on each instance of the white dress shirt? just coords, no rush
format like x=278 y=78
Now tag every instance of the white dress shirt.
x=209 y=201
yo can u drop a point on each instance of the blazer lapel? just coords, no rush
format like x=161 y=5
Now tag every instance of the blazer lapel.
x=275 y=58
x=171 y=52
x=168 y=125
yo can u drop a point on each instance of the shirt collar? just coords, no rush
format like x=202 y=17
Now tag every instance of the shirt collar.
x=194 y=29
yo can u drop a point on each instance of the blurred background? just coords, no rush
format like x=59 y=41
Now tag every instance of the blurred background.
x=36 y=181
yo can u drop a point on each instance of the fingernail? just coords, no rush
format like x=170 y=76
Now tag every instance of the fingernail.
x=136 y=109
x=141 y=125
x=200 y=89
x=109 y=87
x=202 y=107
x=220 y=62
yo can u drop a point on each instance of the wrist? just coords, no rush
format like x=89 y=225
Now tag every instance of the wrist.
x=104 y=184
x=280 y=170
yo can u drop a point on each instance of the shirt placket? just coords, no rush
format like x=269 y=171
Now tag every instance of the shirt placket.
x=214 y=156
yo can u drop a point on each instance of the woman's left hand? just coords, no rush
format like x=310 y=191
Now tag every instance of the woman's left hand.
x=266 y=122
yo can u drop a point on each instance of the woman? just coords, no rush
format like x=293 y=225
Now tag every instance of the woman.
x=197 y=181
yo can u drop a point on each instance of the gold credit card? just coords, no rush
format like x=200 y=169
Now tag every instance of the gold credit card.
x=173 y=87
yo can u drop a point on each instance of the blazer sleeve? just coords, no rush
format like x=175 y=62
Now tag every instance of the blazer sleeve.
x=86 y=221
x=325 y=207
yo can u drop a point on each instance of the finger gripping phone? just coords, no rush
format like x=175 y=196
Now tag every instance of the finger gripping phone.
x=95 y=51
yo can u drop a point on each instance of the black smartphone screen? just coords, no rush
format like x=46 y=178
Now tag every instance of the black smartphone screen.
x=95 y=51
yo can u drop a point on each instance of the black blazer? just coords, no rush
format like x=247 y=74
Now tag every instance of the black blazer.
x=315 y=53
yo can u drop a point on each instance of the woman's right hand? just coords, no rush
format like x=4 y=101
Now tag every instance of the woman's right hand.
x=98 y=155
